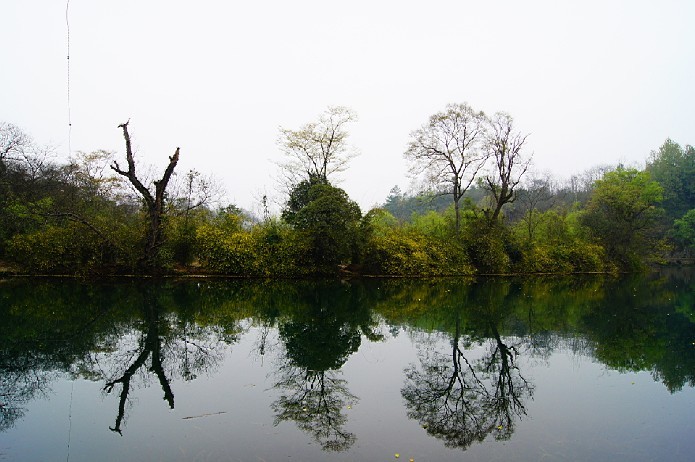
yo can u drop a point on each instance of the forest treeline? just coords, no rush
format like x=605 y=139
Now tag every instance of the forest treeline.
x=480 y=209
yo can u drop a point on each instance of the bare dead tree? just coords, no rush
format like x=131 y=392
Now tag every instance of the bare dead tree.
x=504 y=146
x=155 y=203
x=447 y=151
x=151 y=347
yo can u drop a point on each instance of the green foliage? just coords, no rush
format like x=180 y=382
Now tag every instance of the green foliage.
x=403 y=252
x=182 y=242
x=267 y=250
x=434 y=224
x=425 y=247
x=558 y=247
x=44 y=206
x=18 y=217
x=542 y=259
x=673 y=167
x=281 y=251
x=378 y=221
x=404 y=206
x=299 y=197
x=572 y=257
x=553 y=228
x=684 y=230
x=487 y=244
x=67 y=243
x=622 y=215
x=180 y=231
x=227 y=253
x=54 y=250
x=326 y=217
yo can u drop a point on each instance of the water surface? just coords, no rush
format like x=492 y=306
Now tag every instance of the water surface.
x=499 y=369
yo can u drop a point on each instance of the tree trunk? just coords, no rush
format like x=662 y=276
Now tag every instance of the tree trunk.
x=155 y=204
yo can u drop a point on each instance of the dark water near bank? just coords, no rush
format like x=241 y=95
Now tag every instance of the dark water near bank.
x=523 y=369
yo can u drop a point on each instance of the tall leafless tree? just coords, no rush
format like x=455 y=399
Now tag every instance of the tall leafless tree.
x=155 y=203
x=318 y=149
x=447 y=150
x=504 y=147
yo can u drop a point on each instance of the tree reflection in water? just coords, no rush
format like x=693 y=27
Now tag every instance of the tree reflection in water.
x=43 y=338
x=318 y=340
x=129 y=335
x=315 y=401
x=175 y=347
x=18 y=387
x=462 y=396
x=150 y=345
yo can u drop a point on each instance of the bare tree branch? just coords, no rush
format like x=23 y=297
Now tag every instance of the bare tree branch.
x=504 y=146
x=317 y=149
x=447 y=150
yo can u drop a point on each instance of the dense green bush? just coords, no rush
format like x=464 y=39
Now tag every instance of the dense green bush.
x=441 y=226
x=623 y=216
x=487 y=244
x=558 y=245
x=401 y=252
x=181 y=240
x=325 y=216
x=80 y=217
x=683 y=231
x=541 y=259
x=225 y=253
x=269 y=250
x=281 y=251
x=570 y=257
x=55 y=249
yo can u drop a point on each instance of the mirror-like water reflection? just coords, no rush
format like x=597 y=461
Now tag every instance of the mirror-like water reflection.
x=571 y=368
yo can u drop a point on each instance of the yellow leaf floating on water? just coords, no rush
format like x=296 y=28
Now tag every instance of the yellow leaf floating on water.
x=349 y=407
x=396 y=455
x=500 y=427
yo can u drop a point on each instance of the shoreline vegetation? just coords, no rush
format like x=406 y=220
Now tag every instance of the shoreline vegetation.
x=482 y=211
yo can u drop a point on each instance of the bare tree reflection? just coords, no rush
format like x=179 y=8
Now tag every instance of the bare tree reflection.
x=151 y=346
x=509 y=387
x=17 y=389
x=462 y=400
x=173 y=348
x=315 y=401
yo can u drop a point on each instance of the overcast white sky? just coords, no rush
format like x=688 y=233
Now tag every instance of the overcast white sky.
x=593 y=82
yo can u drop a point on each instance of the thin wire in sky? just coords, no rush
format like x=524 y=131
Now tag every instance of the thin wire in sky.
x=67 y=24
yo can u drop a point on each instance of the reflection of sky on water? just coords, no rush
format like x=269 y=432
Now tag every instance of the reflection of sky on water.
x=580 y=408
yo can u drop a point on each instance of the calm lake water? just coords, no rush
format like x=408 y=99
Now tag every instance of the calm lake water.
x=528 y=369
